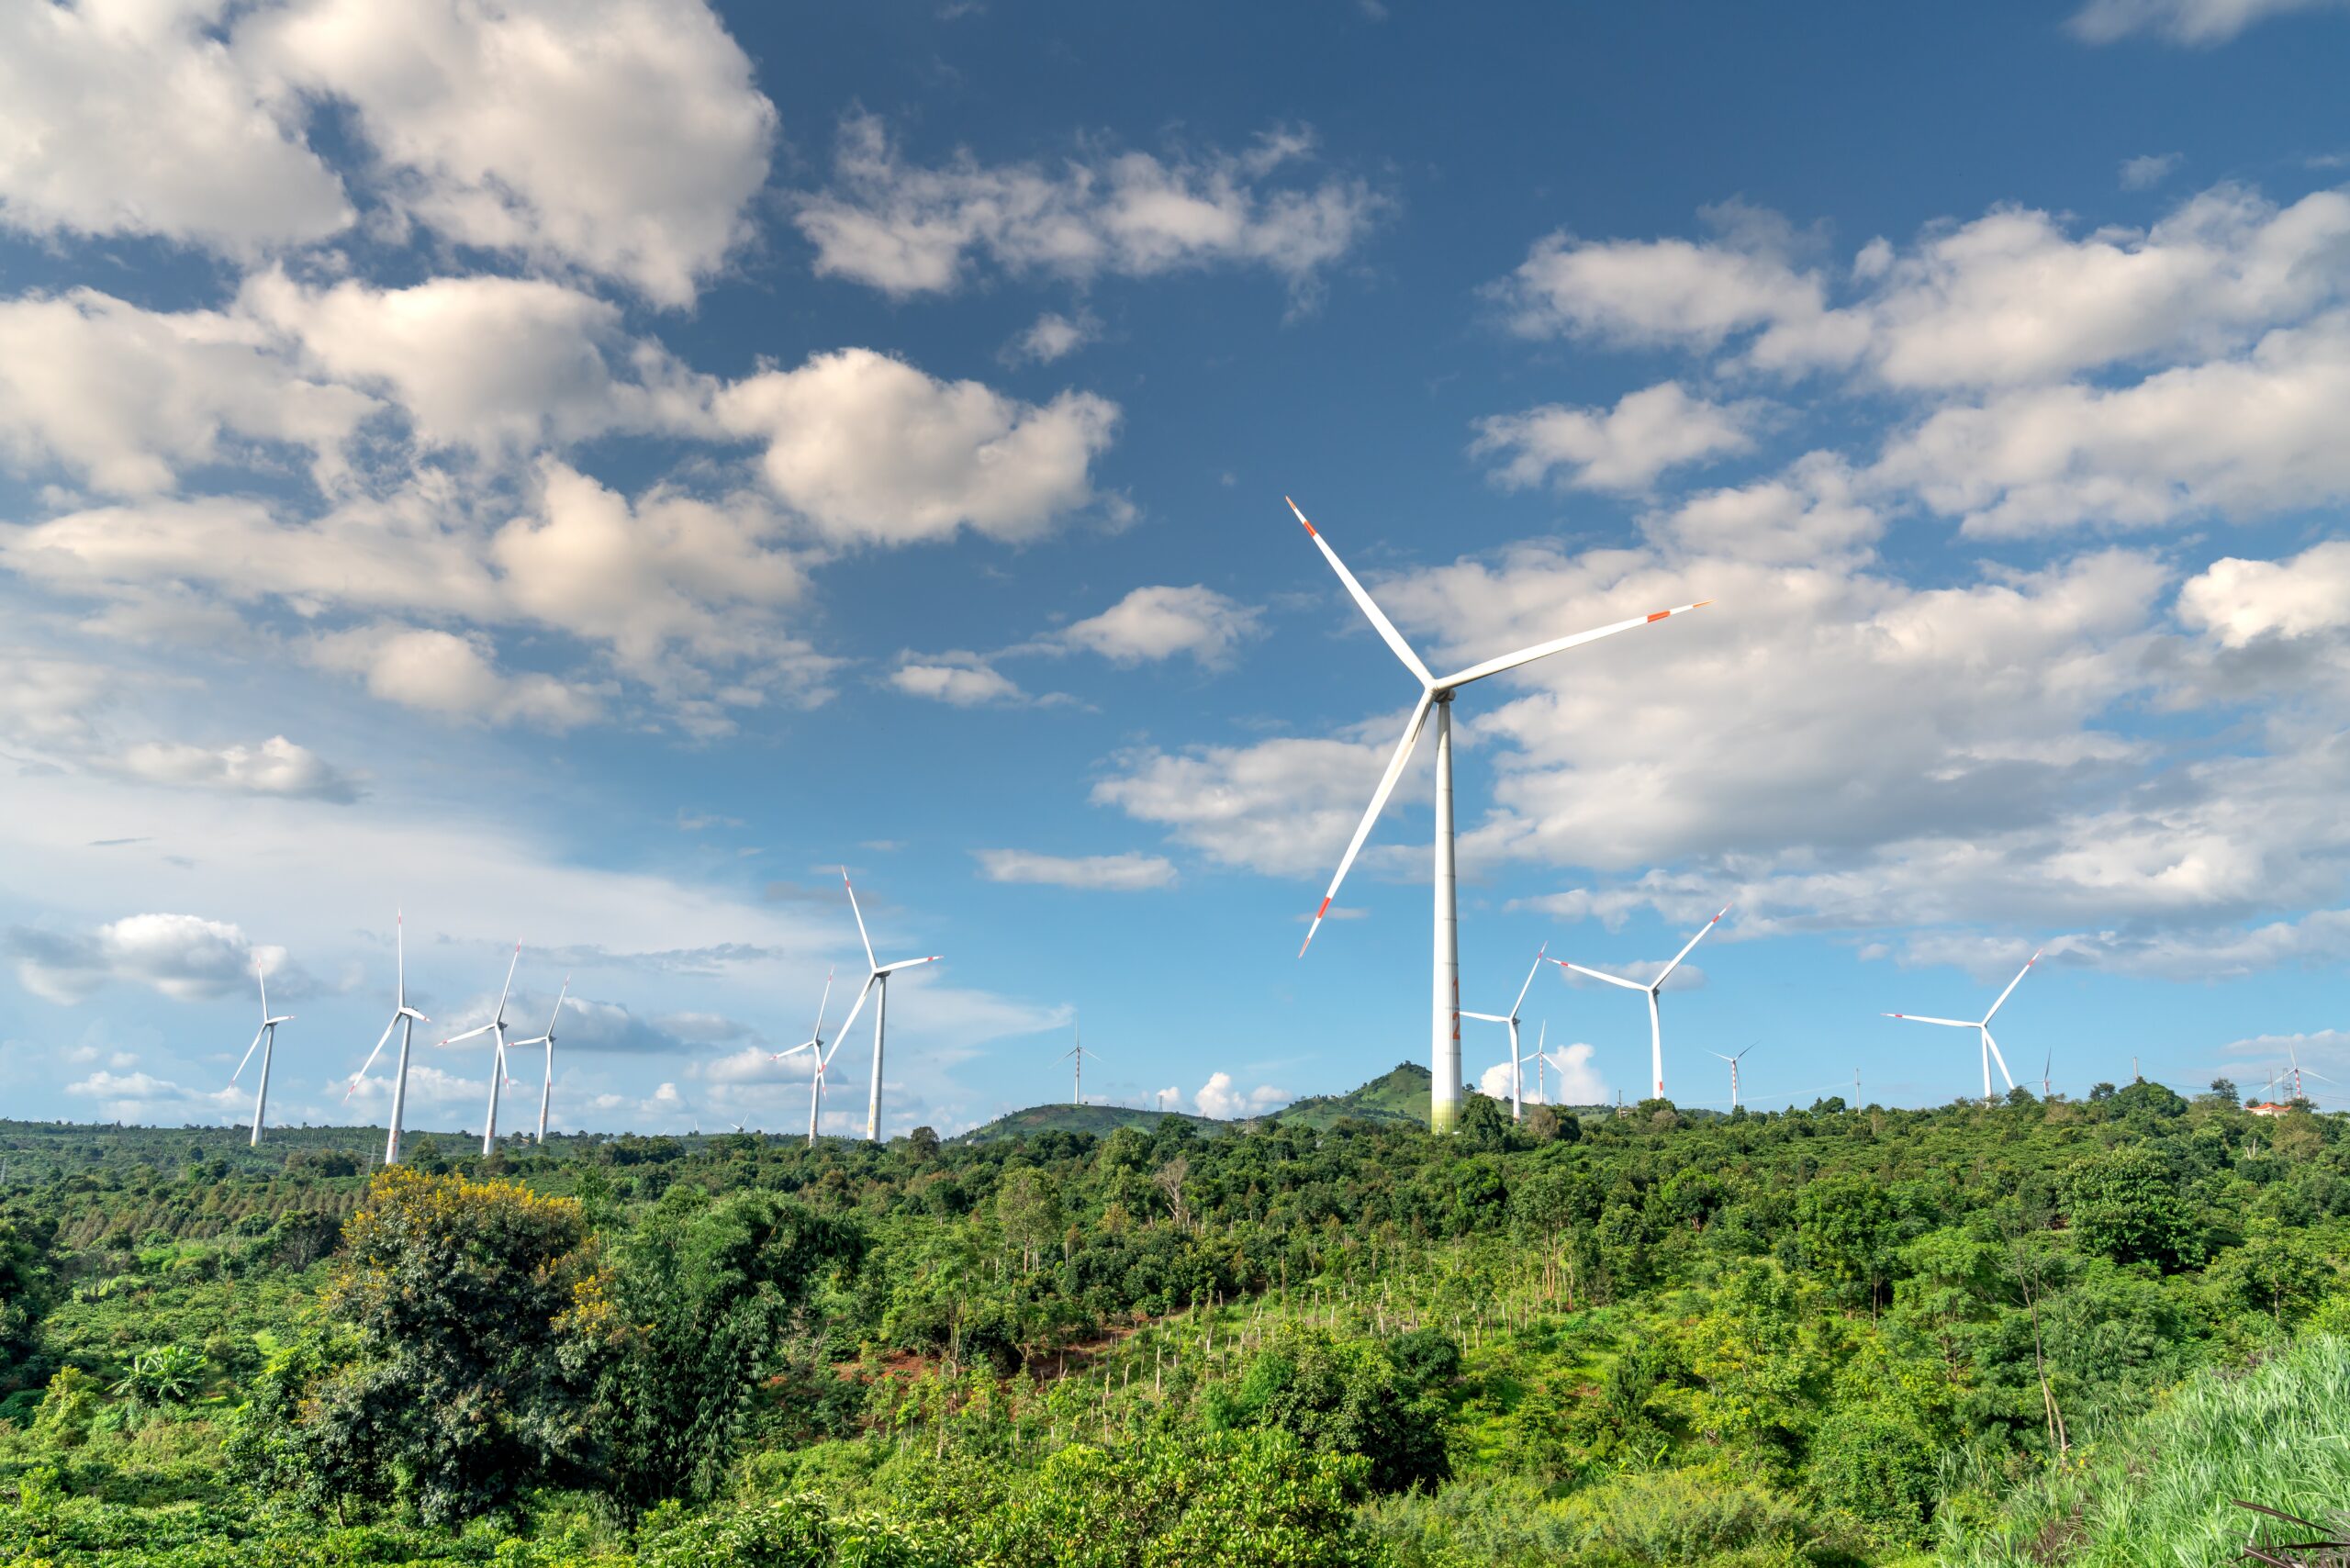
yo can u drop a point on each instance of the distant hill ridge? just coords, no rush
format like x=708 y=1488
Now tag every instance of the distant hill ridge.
x=1400 y=1095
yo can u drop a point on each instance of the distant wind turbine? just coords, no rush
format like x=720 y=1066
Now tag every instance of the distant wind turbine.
x=818 y=1058
x=1444 y=1084
x=1983 y=1026
x=267 y=1039
x=497 y=1079
x=547 y=1084
x=876 y=981
x=1733 y=1075
x=1075 y=1056
x=1517 y=1060
x=1656 y=1027
x=404 y=1019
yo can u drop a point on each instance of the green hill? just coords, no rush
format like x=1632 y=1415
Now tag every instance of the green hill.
x=1100 y=1121
x=1400 y=1095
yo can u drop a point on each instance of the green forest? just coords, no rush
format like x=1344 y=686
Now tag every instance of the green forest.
x=2035 y=1331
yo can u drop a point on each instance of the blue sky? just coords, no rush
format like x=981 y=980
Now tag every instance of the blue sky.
x=582 y=473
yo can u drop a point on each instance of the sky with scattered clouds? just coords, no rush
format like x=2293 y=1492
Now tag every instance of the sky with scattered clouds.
x=586 y=473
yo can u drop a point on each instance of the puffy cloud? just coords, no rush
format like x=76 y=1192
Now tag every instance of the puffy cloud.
x=1219 y=1098
x=48 y=700
x=2181 y=21
x=127 y=116
x=485 y=362
x=1623 y=448
x=1154 y=623
x=2245 y=436
x=2239 y=601
x=141 y=1097
x=908 y=231
x=620 y=137
x=183 y=956
x=1055 y=336
x=2011 y=297
x=1816 y=510
x=125 y=400
x=2147 y=171
x=872 y=450
x=1129 y=872
x=963 y=680
x=455 y=677
x=276 y=767
x=1570 y=1078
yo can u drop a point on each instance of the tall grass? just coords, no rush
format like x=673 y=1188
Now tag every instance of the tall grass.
x=2158 y=1493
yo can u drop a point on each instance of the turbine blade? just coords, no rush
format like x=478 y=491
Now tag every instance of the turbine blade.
x=1386 y=628
x=560 y=998
x=264 y=978
x=509 y=980
x=248 y=1053
x=2012 y=987
x=1559 y=645
x=870 y=961
x=1486 y=1017
x=1950 y=1023
x=818 y=1032
x=1540 y=954
x=1377 y=802
x=380 y=1043
x=468 y=1035
x=850 y=1021
x=1998 y=1057
x=907 y=964
x=1692 y=942
x=1611 y=980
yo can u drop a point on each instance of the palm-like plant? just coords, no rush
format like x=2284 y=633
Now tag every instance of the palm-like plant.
x=168 y=1374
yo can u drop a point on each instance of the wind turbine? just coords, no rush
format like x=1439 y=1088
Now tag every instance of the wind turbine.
x=821 y=1058
x=267 y=1033
x=1516 y=1061
x=2046 y=1065
x=1733 y=1075
x=547 y=1084
x=404 y=1018
x=1990 y=1046
x=1444 y=1084
x=496 y=1026
x=1076 y=1055
x=2293 y=1051
x=1656 y=1027
x=876 y=981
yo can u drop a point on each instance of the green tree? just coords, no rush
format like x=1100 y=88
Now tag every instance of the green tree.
x=463 y=1323
x=1349 y=1396
x=701 y=1298
x=2276 y=1271
x=2126 y=1204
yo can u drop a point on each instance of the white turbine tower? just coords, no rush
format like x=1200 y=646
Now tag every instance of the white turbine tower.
x=876 y=979
x=1444 y=1088
x=1734 y=1074
x=1076 y=1055
x=819 y=1058
x=404 y=1019
x=266 y=1040
x=547 y=1084
x=1656 y=1026
x=1516 y=1061
x=498 y=1080
x=2294 y=1051
x=1983 y=1028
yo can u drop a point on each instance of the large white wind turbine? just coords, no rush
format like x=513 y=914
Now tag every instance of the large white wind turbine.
x=495 y=1027
x=1076 y=1055
x=1983 y=1028
x=1516 y=1061
x=1733 y=1075
x=547 y=1084
x=818 y=1058
x=267 y=1039
x=876 y=979
x=1656 y=1027
x=404 y=1019
x=1444 y=1089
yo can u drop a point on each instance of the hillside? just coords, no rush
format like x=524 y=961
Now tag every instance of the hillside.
x=1100 y=1121
x=1397 y=1096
